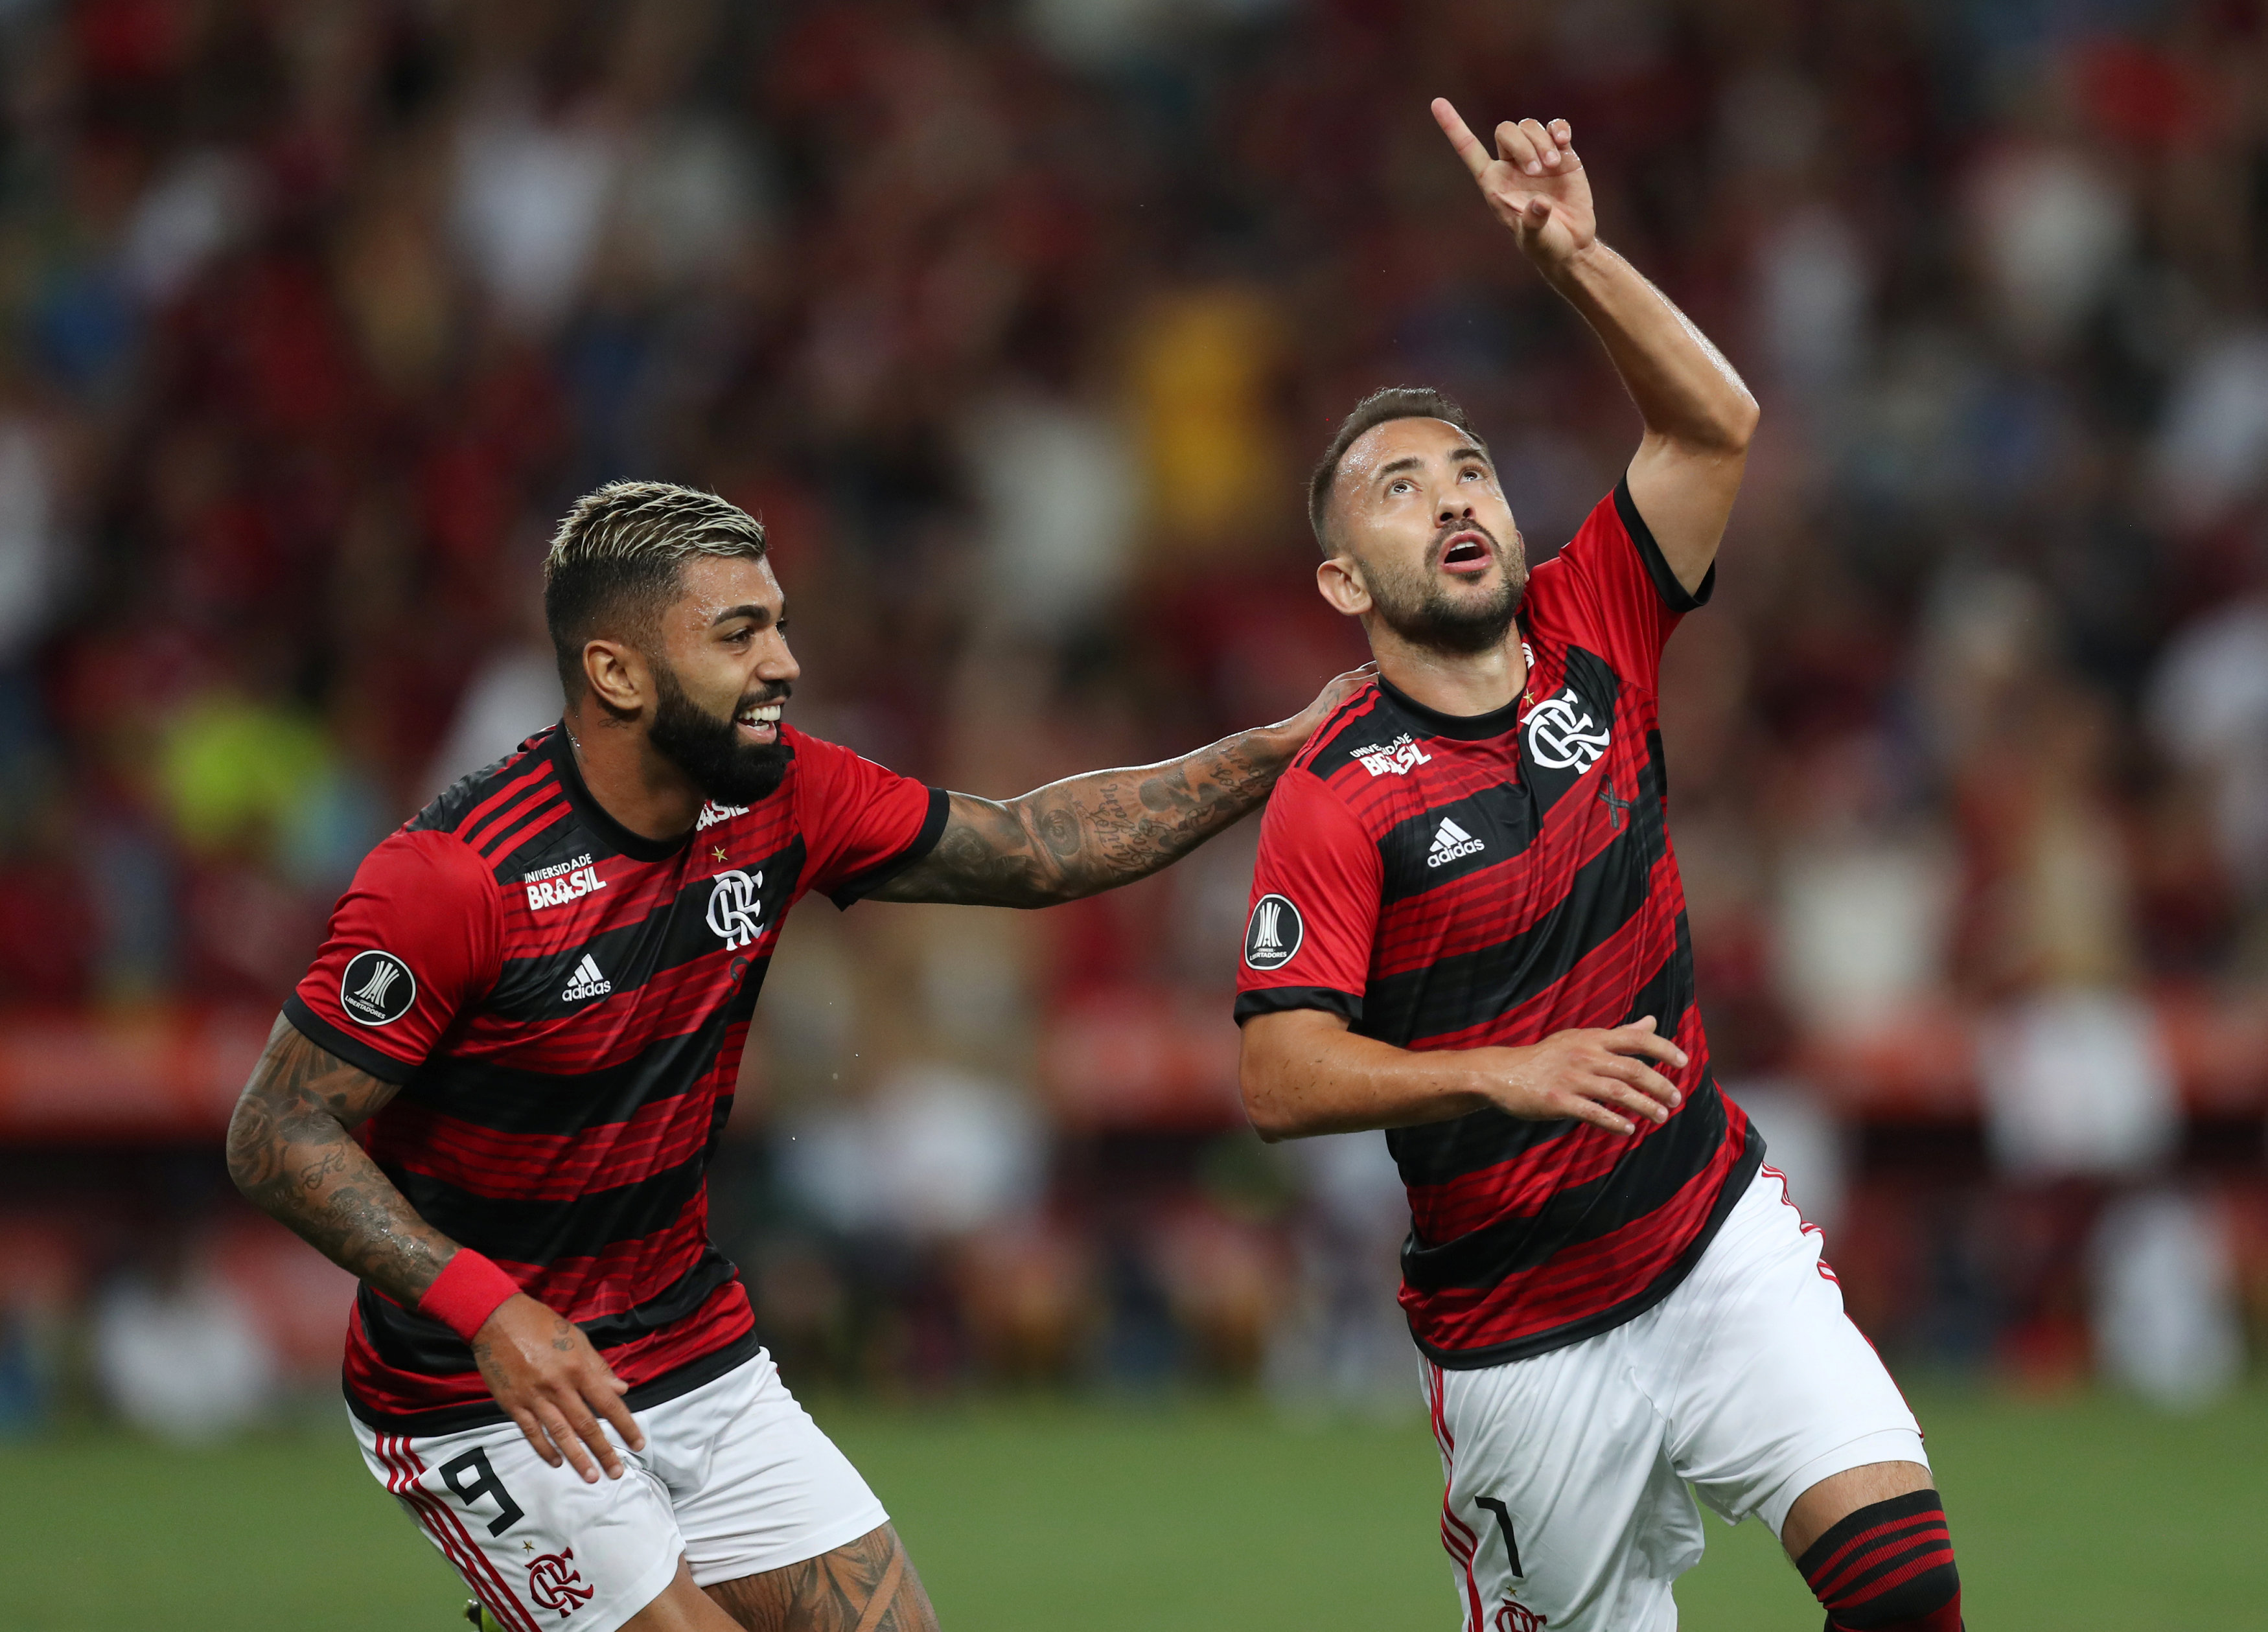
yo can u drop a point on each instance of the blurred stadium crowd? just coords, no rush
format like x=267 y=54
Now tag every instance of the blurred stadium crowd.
x=1018 y=323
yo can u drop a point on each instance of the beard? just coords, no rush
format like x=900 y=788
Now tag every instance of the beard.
x=1423 y=611
x=708 y=750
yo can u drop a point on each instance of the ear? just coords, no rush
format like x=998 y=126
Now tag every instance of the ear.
x=617 y=676
x=1340 y=581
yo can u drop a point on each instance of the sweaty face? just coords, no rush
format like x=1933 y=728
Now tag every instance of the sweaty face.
x=1417 y=506
x=720 y=681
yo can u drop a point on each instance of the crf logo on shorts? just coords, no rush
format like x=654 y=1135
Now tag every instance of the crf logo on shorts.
x=554 y=1582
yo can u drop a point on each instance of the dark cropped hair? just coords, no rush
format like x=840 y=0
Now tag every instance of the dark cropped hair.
x=1389 y=402
x=612 y=569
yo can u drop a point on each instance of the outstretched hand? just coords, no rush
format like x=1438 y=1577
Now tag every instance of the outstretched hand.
x=543 y=1371
x=1534 y=181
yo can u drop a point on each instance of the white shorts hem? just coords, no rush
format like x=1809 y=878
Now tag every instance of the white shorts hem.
x=1887 y=1445
x=821 y=1538
x=627 y=1606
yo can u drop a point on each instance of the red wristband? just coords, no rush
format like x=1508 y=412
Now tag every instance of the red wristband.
x=468 y=1290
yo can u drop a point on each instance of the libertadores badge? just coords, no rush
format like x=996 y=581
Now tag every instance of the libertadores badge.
x=554 y=1582
x=375 y=988
x=1272 y=937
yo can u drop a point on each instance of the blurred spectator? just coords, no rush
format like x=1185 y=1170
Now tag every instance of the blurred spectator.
x=177 y=1354
x=2165 y=1322
x=2208 y=707
x=935 y=1153
x=2076 y=1082
x=31 y=559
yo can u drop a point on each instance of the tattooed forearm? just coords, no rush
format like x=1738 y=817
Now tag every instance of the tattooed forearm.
x=1088 y=833
x=292 y=1155
x=867 y=1586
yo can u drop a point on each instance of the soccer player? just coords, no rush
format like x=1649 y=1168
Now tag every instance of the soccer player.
x=1467 y=929
x=494 y=1095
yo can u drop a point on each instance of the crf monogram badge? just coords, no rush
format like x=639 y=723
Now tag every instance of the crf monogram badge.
x=734 y=906
x=555 y=1583
x=1559 y=736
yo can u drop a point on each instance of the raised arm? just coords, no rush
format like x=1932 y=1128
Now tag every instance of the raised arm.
x=292 y=1152
x=1088 y=833
x=1698 y=415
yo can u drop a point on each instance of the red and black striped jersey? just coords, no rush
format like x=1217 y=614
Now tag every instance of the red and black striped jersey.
x=564 y=1004
x=1448 y=882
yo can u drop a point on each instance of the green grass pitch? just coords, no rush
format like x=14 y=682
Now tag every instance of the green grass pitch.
x=2080 y=1513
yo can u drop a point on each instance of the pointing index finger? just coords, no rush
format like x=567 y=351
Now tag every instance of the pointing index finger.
x=1477 y=157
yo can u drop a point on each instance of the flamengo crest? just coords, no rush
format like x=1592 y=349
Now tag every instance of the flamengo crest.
x=1559 y=735
x=734 y=906
x=555 y=1583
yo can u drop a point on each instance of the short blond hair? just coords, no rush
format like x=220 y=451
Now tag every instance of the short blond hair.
x=615 y=561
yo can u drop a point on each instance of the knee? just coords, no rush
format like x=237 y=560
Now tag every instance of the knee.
x=1888 y=1567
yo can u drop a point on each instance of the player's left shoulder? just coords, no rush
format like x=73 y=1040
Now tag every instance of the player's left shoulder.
x=1359 y=729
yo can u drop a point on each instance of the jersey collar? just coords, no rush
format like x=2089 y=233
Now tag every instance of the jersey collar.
x=593 y=815
x=1463 y=727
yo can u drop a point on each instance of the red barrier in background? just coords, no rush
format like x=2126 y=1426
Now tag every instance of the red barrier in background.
x=1135 y=1057
x=133 y=1074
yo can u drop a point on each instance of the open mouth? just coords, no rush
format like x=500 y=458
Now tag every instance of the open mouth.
x=1467 y=554
x=760 y=721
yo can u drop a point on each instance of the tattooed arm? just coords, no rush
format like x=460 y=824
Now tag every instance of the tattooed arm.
x=1088 y=833
x=293 y=1152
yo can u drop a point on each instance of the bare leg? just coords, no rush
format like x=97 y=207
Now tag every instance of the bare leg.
x=682 y=1607
x=1839 y=1495
x=868 y=1586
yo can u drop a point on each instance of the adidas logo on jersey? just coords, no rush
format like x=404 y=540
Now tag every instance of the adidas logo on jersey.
x=588 y=981
x=1449 y=843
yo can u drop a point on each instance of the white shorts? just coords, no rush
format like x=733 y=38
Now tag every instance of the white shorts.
x=1749 y=1382
x=735 y=1478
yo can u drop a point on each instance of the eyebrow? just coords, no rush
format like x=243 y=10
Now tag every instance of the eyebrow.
x=1411 y=461
x=759 y=615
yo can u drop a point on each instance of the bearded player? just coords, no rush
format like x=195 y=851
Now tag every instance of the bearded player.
x=1468 y=930
x=494 y=1095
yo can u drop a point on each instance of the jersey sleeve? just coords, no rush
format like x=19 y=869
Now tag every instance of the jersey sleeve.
x=415 y=941
x=1314 y=916
x=862 y=825
x=1613 y=591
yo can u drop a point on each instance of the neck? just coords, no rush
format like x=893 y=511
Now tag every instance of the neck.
x=1461 y=683
x=633 y=784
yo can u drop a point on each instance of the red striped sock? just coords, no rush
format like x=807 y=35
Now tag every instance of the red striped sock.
x=1887 y=1568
